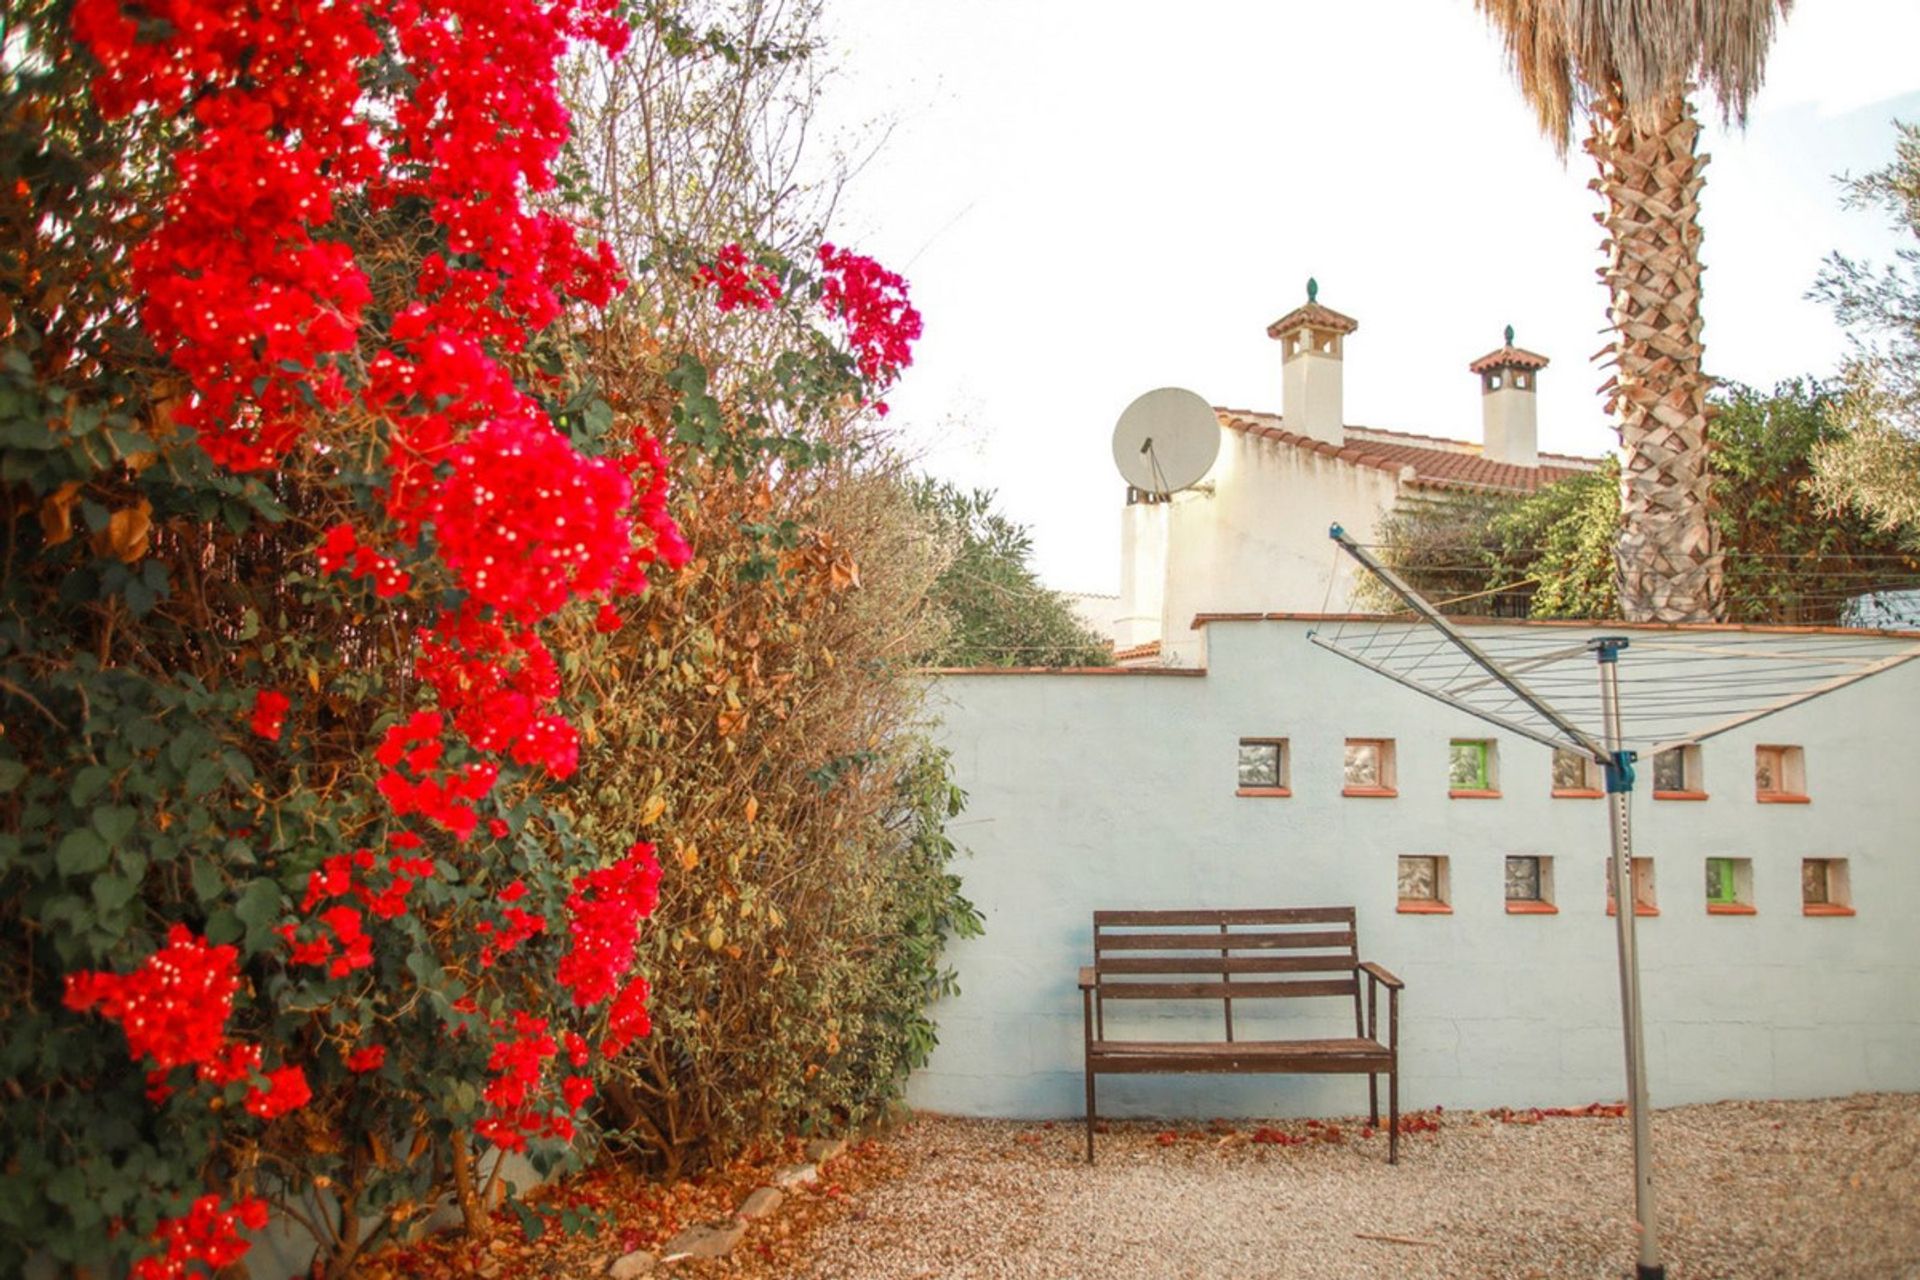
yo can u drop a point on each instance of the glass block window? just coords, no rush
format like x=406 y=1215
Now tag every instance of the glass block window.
x=1816 y=882
x=1779 y=773
x=1825 y=889
x=1263 y=764
x=1470 y=765
x=1422 y=881
x=1523 y=880
x=1369 y=765
x=1730 y=885
x=1574 y=771
x=1644 y=901
x=1676 y=771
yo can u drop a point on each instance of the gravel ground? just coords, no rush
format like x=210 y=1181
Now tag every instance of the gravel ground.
x=1802 y=1189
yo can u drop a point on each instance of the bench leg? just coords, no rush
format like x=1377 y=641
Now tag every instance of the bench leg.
x=1373 y=1099
x=1393 y=1115
x=1089 y=1114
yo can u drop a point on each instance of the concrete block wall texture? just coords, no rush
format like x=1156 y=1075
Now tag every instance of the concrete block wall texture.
x=1093 y=792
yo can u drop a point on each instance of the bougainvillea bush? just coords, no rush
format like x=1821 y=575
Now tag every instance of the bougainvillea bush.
x=317 y=525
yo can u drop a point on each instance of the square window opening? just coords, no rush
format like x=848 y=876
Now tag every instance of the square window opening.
x=1826 y=889
x=1369 y=768
x=1730 y=886
x=1644 y=901
x=1576 y=774
x=1677 y=774
x=1779 y=774
x=1264 y=767
x=1424 y=884
x=1473 y=767
x=1530 y=884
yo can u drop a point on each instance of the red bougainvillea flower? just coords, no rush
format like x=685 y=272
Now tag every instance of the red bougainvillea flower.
x=286 y=1090
x=740 y=281
x=207 y=1234
x=371 y=1058
x=174 y=1007
x=871 y=302
x=604 y=912
x=269 y=713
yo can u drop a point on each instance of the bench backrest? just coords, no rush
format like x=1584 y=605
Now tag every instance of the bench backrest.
x=1226 y=955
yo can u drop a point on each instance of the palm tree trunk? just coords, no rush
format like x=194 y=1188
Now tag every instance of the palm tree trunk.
x=1668 y=563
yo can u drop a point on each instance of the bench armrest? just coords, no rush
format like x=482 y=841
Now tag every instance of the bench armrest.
x=1088 y=980
x=1378 y=974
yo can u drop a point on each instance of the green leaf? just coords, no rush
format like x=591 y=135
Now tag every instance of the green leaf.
x=208 y=883
x=81 y=853
x=114 y=823
x=89 y=783
x=203 y=776
x=259 y=909
x=112 y=892
x=12 y=773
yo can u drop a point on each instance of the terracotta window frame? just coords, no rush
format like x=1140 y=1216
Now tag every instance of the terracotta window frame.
x=1590 y=772
x=1646 y=901
x=1489 y=770
x=1543 y=905
x=1789 y=772
x=1836 y=888
x=1692 y=782
x=1441 y=904
x=1385 y=770
x=1282 y=770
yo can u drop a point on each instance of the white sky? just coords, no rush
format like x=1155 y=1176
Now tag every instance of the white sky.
x=1091 y=200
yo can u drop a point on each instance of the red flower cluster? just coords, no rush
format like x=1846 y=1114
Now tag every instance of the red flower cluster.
x=174 y=1007
x=604 y=912
x=342 y=549
x=741 y=281
x=371 y=1058
x=443 y=797
x=871 y=301
x=208 y=1235
x=269 y=713
x=286 y=1091
x=519 y=1062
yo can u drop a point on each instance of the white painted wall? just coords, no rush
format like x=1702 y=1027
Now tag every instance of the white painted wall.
x=1259 y=542
x=1118 y=791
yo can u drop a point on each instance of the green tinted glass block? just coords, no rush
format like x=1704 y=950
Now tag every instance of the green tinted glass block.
x=1467 y=766
x=1721 y=888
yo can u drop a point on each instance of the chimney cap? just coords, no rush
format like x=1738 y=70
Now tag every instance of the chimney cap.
x=1508 y=357
x=1312 y=315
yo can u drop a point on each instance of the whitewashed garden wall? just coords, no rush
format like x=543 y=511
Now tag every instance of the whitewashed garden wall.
x=1118 y=790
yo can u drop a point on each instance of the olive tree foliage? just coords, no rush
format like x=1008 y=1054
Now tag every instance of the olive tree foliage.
x=1873 y=466
x=998 y=613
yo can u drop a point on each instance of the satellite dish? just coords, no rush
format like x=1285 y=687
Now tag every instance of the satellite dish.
x=1166 y=440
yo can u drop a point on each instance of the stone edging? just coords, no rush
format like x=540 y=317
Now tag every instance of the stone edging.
x=717 y=1239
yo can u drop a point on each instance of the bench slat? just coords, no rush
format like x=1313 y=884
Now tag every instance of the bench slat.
x=1270 y=915
x=1220 y=941
x=1224 y=990
x=1225 y=964
x=1344 y=1057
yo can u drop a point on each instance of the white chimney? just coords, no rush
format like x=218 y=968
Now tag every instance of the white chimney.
x=1509 y=404
x=1311 y=400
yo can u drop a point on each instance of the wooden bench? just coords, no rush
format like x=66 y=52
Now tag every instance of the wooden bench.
x=1239 y=955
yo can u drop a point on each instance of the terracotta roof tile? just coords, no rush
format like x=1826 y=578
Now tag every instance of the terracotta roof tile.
x=1151 y=649
x=1449 y=467
x=1312 y=314
x=1508 y=356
